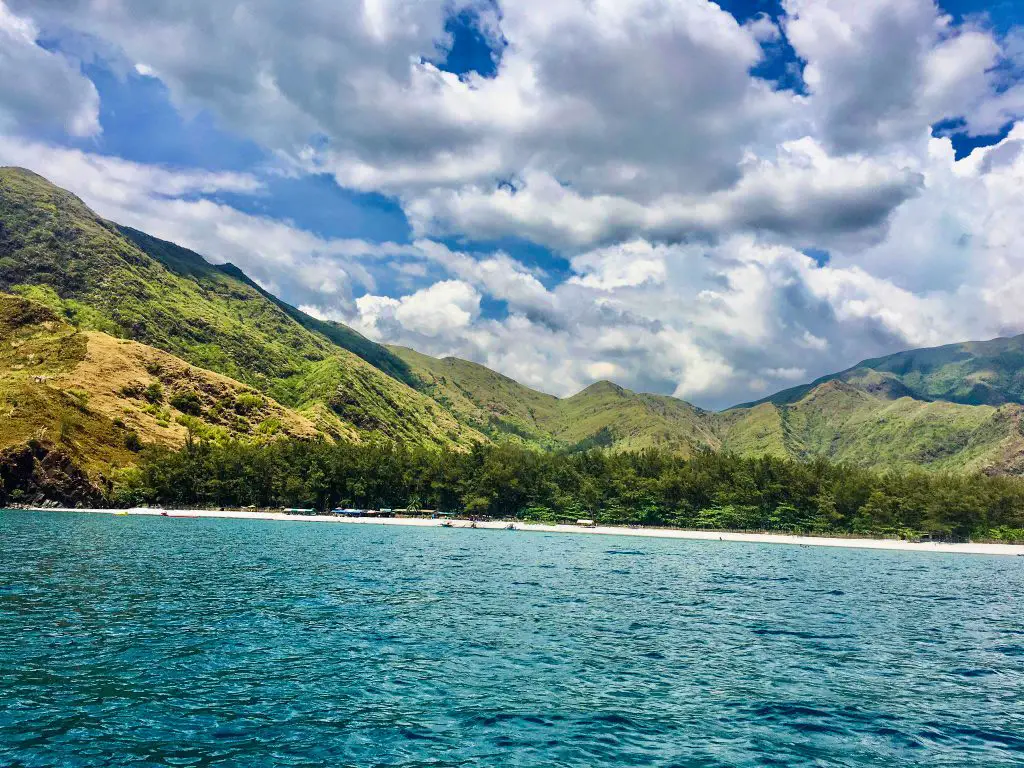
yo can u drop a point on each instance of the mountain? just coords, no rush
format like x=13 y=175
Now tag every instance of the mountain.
x=111 y=338
x=99 y=396
x=602 y=415
x=98 y=277
x=842 y=422
x=971 y=373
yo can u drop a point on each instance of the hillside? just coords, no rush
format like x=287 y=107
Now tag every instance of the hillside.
x=604 y=415
x=96 y=400
x=842 y=422
x=54 y=250
x=496 y=405
x=970 y=373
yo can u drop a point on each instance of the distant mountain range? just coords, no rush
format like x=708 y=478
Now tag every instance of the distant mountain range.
x=111 y=339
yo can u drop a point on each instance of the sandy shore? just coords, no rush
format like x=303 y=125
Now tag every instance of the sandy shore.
x=658 y=533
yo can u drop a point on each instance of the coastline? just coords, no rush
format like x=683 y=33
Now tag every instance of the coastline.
x=1010 y=550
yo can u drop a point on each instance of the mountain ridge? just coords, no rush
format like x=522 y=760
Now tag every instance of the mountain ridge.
x=120 y=284
x=954 y=372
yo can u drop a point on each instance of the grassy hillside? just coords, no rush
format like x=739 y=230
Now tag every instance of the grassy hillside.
x=971 y=373
x=603 y=415
x=607 y=413
x=54 y=250
x=100 y=398
x=497 y=406
x=842 y=422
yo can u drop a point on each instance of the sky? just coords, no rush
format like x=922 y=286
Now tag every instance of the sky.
x=711 y=201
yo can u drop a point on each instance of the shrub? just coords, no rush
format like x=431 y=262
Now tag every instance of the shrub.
x=188 y=402
x=247 y=402
x=154 y=393
x=133 y=390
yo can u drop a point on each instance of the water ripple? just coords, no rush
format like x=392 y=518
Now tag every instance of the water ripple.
x=143 y=642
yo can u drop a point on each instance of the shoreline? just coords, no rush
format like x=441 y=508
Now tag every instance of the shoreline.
x=1005 y=550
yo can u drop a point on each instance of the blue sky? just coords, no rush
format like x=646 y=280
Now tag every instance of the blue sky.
x=606 y=184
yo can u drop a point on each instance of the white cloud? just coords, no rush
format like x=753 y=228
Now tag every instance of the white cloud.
x=882 y=71
x=627 y=135
x=39 y=88
x=634 y=263
x=607 y=120
x=803 y=194
x=443 y=308
x=735 y=319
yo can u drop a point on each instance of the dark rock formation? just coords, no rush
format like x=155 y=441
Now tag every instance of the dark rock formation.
x=36 y=473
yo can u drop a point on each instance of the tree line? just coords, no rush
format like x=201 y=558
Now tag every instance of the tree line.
x=649 y=487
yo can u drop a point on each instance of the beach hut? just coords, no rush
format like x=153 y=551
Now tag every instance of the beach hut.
x=584 y=522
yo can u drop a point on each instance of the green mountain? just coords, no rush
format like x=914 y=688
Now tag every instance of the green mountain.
x=843 y=422
x=96 y=276
x=110 y=338
x=972 y=373
x=604 y=415
x=834 y=420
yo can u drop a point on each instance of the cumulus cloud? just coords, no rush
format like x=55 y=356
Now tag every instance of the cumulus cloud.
x=731 y=320
x=680 y=192
x=441 y=309
x=802 y=193
x=881 y=71
x=39 y=88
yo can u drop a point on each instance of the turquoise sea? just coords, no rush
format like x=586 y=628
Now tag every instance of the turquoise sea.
x=130 y=641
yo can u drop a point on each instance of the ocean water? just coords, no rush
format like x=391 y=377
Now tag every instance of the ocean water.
x=130 y=641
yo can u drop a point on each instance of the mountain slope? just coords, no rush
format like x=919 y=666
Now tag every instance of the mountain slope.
x=490 y=402
x=100 y=398
x=55 y=250
x=138 y=339
x=842 y=422
x=971 y=373
x=604 y=415
x=190 y=264
x=607 y=413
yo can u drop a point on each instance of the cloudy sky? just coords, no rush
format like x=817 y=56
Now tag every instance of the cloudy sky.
x=711 y=201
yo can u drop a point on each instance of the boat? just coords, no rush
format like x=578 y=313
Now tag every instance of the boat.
x=510 y=527
x=447 y=524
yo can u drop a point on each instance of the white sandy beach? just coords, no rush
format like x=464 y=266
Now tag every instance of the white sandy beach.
x=659 y=533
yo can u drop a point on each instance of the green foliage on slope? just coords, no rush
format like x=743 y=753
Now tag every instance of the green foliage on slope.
x=970 y=373
x=953 y=407
x=836 y=421
x=55 y=250
x=634 y=421
x=603 y=415
x=497 y=406
x=841 y=422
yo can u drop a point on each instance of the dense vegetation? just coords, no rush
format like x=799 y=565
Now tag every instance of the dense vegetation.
x=649 y=487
